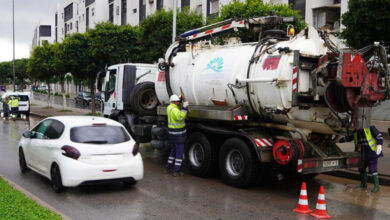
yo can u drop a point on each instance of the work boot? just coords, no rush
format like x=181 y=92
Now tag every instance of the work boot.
x=376 y=184
x=167 y=171
x=177 y=174
x=363 y=180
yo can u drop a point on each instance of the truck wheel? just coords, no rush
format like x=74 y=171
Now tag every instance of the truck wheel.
x=238 y=166
x=201 y=156
x=144 y=99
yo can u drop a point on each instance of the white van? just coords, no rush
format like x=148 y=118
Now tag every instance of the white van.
x=24 y=101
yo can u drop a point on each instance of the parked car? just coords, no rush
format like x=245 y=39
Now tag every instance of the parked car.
x=77 y=150
x=99 y=97
x=24 y=101
x=83 y=98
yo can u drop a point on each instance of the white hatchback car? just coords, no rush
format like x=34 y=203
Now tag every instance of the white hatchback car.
x=75 y=150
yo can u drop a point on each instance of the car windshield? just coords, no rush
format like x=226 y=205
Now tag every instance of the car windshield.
x=23 y=98
x=99 y=135
x=88 y=95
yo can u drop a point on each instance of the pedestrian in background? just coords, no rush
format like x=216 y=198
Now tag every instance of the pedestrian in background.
x=177 y=134
x=368 y=142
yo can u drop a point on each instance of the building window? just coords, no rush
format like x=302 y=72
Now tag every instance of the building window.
x=185 y=3
x=68 y=11
x=77 y=26
x=88 y=2
x=45 y=31
x=160 y=4
x=299 y=5
x=70 y=25
x=111 y=13
x=87 y=18
x=93 y=11
x=56 y=19
x=212 y=7
x=56 y=35
x=124 y=12
x=199 y=9
x=142 y=9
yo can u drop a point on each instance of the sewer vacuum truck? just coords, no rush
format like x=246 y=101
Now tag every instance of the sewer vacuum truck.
x=278 y=104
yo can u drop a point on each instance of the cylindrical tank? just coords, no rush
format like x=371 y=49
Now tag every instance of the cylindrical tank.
x=217 y=75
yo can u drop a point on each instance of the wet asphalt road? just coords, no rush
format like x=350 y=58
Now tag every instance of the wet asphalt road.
x=160 y=196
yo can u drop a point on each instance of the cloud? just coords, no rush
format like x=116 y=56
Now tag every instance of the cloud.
x=21 y=50
x=28 y=13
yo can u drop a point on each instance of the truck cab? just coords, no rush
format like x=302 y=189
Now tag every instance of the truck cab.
x=128 y=88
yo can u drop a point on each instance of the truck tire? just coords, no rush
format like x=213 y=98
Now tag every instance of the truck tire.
x=201 y=156
x=144 y=99
x=238 y=166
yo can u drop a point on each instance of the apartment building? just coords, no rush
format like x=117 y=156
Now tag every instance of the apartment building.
x=42 y=33
x=78 y=15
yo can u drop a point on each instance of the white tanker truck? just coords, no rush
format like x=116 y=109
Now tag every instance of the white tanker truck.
x=277 y=104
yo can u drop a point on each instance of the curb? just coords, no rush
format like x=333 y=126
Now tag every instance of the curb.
x=350 y=174
x=38 y=115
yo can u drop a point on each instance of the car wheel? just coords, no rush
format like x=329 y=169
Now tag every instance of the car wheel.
x=22 y=161
x=201 y=157
x=56 y=179
x=238 y=166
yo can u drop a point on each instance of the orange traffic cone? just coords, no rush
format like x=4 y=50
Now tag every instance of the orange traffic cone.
x=303 y=204
x=321 y=206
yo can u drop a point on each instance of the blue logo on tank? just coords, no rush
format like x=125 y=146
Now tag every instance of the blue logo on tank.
x=215 y=64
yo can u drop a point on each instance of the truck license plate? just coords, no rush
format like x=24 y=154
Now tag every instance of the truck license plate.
x=330 y=163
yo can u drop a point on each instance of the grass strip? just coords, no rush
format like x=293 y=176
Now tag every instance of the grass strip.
x=15 y=205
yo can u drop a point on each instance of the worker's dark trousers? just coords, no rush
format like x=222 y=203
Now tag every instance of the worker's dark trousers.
x=176 y=153
x=372 y=165
x=14 y=111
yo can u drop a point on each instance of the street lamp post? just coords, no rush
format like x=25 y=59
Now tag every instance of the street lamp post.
x=13 y=40
x=174 y=21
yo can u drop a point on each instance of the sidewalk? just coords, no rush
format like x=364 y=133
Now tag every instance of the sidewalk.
x=40 y=109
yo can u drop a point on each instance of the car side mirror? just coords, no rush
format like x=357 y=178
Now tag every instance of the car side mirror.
x=28 y=134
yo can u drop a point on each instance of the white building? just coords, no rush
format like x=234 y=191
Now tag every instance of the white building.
x=42 y=33
x=78 y=15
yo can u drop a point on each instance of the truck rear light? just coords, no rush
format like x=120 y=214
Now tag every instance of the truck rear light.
x=310 y=164
x=353 y=160
x=70 y=152
x=135 y=149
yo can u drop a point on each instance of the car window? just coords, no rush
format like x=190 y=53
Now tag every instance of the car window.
x=99 y=134
x=23 y=98
x=55 y=130
x=39 y=130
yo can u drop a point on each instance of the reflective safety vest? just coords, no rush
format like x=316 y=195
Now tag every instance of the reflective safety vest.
x=13 y=103
x=370 y=140
x=176 y=117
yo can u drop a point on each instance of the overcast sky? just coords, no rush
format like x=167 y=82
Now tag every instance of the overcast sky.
x=28 y=13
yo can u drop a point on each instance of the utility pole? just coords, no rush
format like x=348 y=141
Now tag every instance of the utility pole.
x=13 y=39
x=174 y=21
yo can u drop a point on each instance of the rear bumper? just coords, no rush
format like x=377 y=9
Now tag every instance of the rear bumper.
x=74 y=172
x=319 y=165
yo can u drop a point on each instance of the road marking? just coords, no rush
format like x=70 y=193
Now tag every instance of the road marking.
x=35 y=198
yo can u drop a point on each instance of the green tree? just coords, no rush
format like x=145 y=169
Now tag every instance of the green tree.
x=256 y=8
x=21 y=71
x=5 y=72
x=155 y=32
x=109 y=44
x=366 y=22
x=41 y=65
